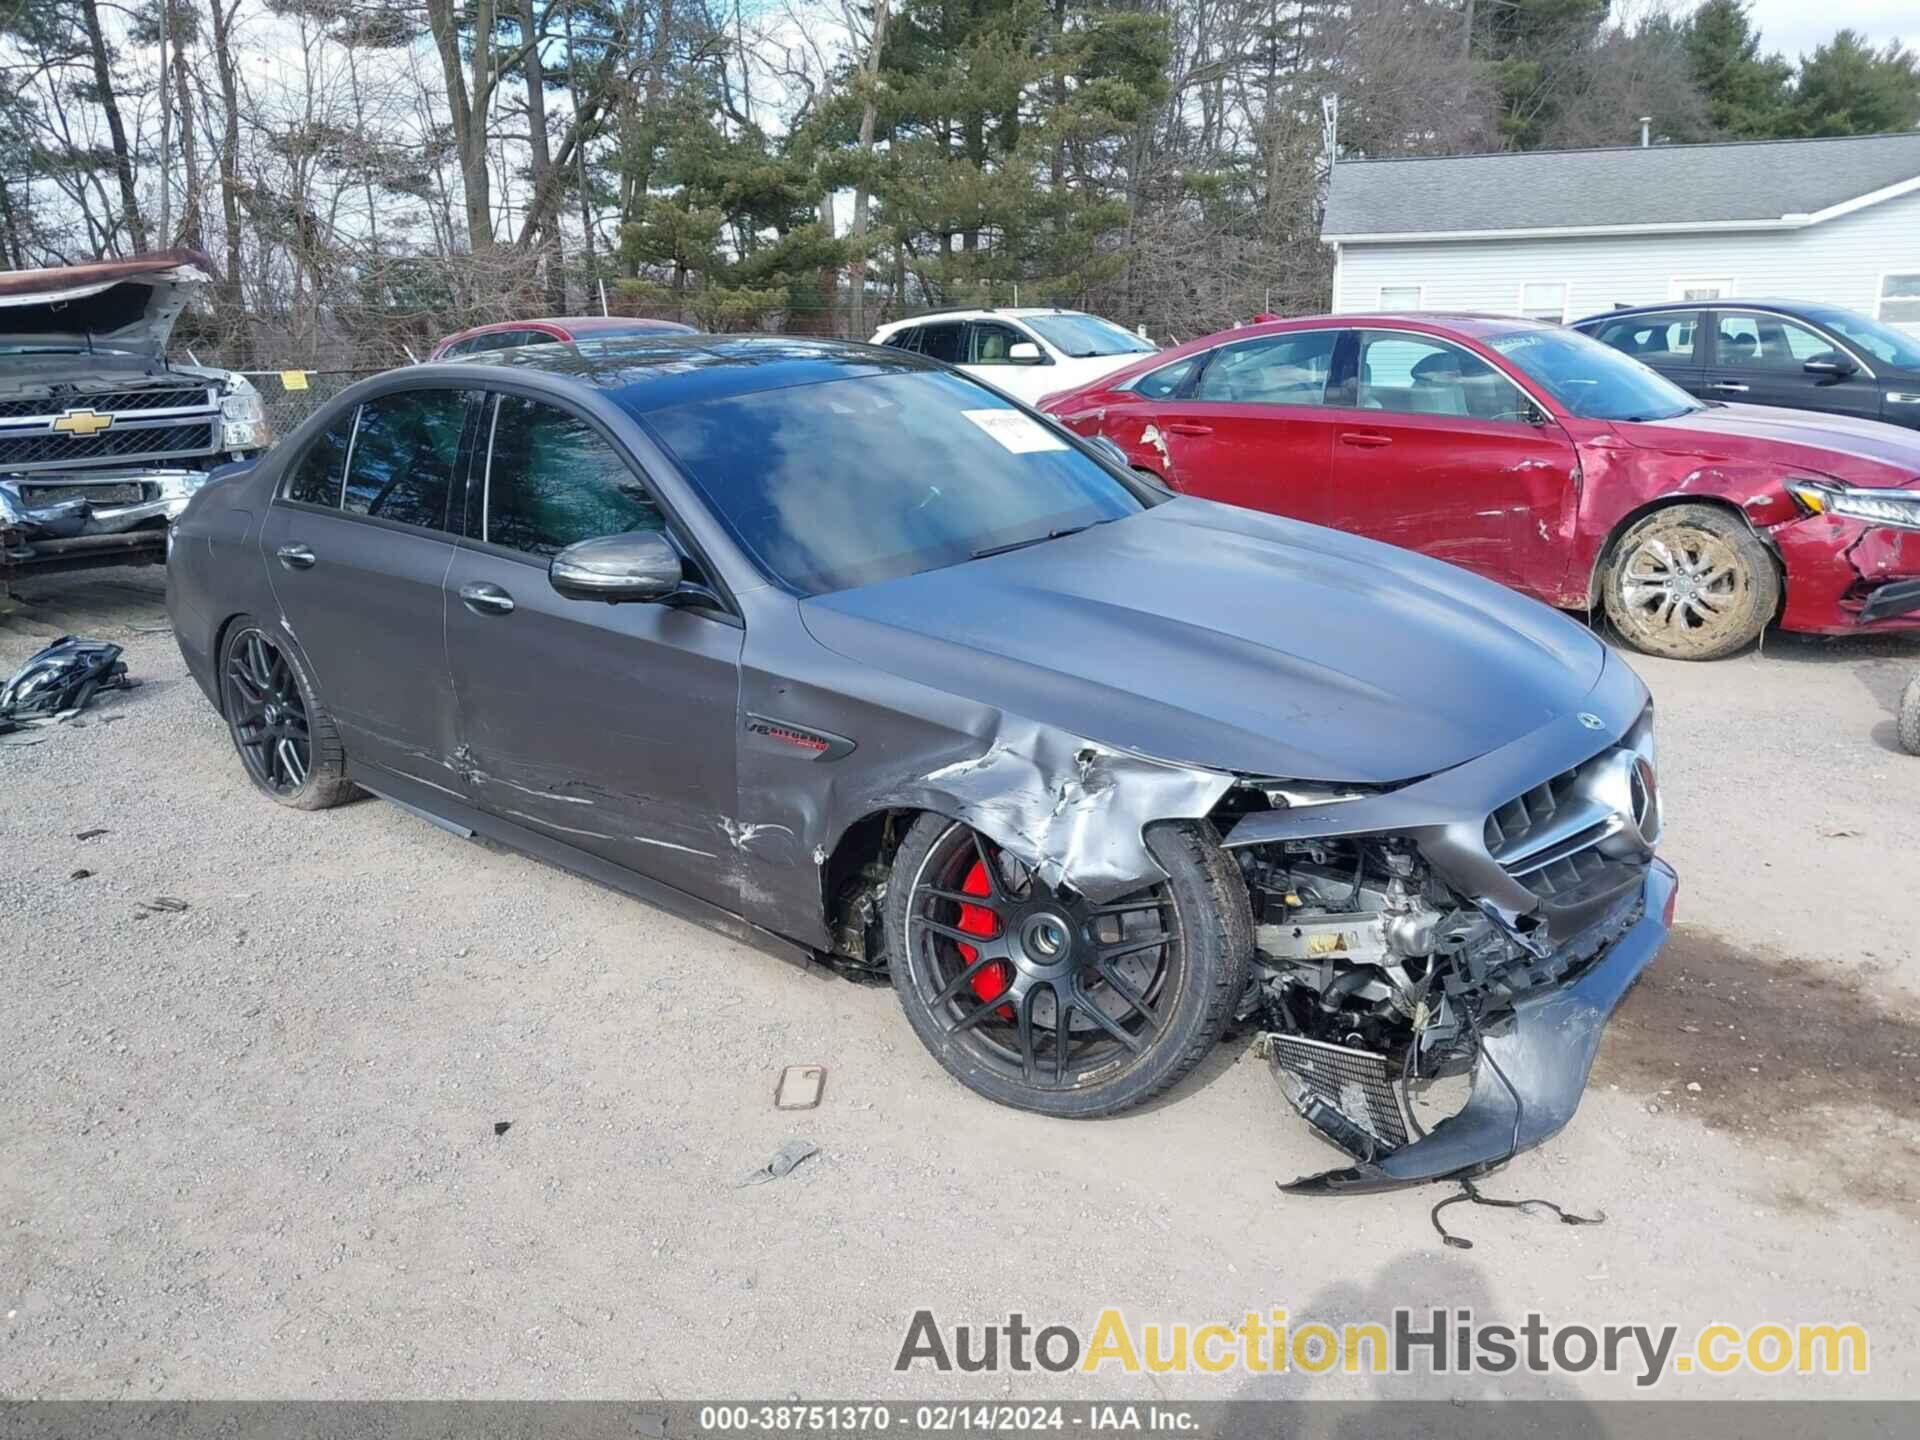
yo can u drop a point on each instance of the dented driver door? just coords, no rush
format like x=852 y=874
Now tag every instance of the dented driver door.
x=609 y=728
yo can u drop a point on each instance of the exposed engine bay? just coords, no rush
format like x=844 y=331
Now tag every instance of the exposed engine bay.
x=1372 y=974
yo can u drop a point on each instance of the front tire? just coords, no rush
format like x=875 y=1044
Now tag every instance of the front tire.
x=284 y=736
x=1910 y=717
x=1691 y=582
x=1039 y=999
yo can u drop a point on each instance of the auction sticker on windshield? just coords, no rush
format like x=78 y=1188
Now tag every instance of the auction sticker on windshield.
x=1021 y=434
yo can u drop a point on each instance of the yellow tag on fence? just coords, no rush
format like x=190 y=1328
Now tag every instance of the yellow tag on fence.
x=293 y=379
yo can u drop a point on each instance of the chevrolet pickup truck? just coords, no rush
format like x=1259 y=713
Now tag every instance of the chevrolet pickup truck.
x=102 y=439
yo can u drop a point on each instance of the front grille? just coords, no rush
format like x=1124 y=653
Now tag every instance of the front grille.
x=125 y=492
x=196 y=438
x=1348 y=1095
x=109 y=402
x=1551 y=838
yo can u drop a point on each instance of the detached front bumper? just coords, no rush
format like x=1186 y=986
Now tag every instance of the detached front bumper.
x=1531 y=1069
x=54 y=522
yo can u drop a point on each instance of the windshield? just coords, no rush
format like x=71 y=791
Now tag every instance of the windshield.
x=1882 y=341
x=849 y=482
x=1594 y=381
x=1082 y=336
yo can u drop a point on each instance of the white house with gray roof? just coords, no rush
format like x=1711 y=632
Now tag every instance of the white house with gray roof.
x=1561 y=234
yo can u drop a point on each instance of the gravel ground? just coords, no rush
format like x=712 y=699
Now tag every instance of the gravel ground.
x=251 y=1145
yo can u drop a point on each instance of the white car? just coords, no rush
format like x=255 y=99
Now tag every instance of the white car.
x=1027 y=353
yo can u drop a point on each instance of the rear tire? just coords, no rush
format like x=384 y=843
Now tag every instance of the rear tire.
x=285 y=738
x=988 y=963
x=1690 y=582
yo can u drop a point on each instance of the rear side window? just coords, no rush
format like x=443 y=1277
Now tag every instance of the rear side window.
x=908 y=339
x=1664 y=339
x=1163 y=383
x=316 y=479
x=1277 y=370
x=404 y=456
x=553 y=481
x=943 y=342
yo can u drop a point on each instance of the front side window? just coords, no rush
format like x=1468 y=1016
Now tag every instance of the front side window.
x=947 y=471
x=1883 y=342
x=944 y=342
x=553 y=480
x=1544 y=300
x=990 y=343
x=315 y=480
x=1765 y=342
x=1276 y=370
x=1664 y=339
x=404 y=455
x=1413 y=375
x=1593 y=381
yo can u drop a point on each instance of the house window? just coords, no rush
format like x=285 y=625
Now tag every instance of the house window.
x=1900 y=299
x=1400 y=297
x=1699 y=289
x=1544 y=300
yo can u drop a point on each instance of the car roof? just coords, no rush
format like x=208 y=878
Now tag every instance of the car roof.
x=1784 y=307
x=652 y=372
x=575 y=325
x=1472 y=324
x=1005 y=312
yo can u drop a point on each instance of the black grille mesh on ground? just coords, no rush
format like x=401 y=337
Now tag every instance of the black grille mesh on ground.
x=108 y=402
x=195 y=439
x=1356 y=1086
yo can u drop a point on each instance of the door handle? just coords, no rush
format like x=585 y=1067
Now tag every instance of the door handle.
x=485 y=599
x=295 y=557
x=1361 y=440
x=1183 y=427
x=1731 y=386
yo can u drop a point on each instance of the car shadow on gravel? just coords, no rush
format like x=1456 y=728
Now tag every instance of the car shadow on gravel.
x=1779 y=1052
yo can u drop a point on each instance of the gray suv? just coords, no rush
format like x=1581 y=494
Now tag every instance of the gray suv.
x=102 y=440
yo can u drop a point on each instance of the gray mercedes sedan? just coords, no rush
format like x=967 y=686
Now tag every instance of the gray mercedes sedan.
x=851 y=657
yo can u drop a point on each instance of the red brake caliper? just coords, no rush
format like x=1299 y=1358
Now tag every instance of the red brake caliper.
x=995 y=979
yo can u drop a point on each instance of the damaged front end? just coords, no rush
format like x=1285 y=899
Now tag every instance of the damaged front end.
x=1471 y=923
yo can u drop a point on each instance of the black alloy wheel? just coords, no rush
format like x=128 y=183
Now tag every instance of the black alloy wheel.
x=268 y=714
x=285 y=738
x=1040 y=998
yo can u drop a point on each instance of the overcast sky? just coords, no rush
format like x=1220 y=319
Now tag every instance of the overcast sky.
x=1796 y=27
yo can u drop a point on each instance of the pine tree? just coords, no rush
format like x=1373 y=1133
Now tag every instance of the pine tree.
x=1748 y=94
x=1849 y=88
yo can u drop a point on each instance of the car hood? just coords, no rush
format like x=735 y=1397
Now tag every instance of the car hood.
x=115 y=305
x=1219 y=637
x=1860 y=452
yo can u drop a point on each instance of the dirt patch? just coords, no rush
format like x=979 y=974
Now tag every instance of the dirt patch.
x=1786 y=1053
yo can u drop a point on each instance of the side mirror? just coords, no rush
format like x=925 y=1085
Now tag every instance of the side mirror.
x=1831 y=362
x=641 y=566
x=1025 y=352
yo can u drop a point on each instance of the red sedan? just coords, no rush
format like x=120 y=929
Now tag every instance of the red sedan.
x=1542 y=459
x=511 y=334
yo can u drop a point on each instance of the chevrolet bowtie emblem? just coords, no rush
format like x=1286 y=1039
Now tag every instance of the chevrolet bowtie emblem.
x=81 y=423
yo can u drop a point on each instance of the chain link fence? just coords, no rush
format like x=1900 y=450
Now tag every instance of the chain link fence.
x=290 y=396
